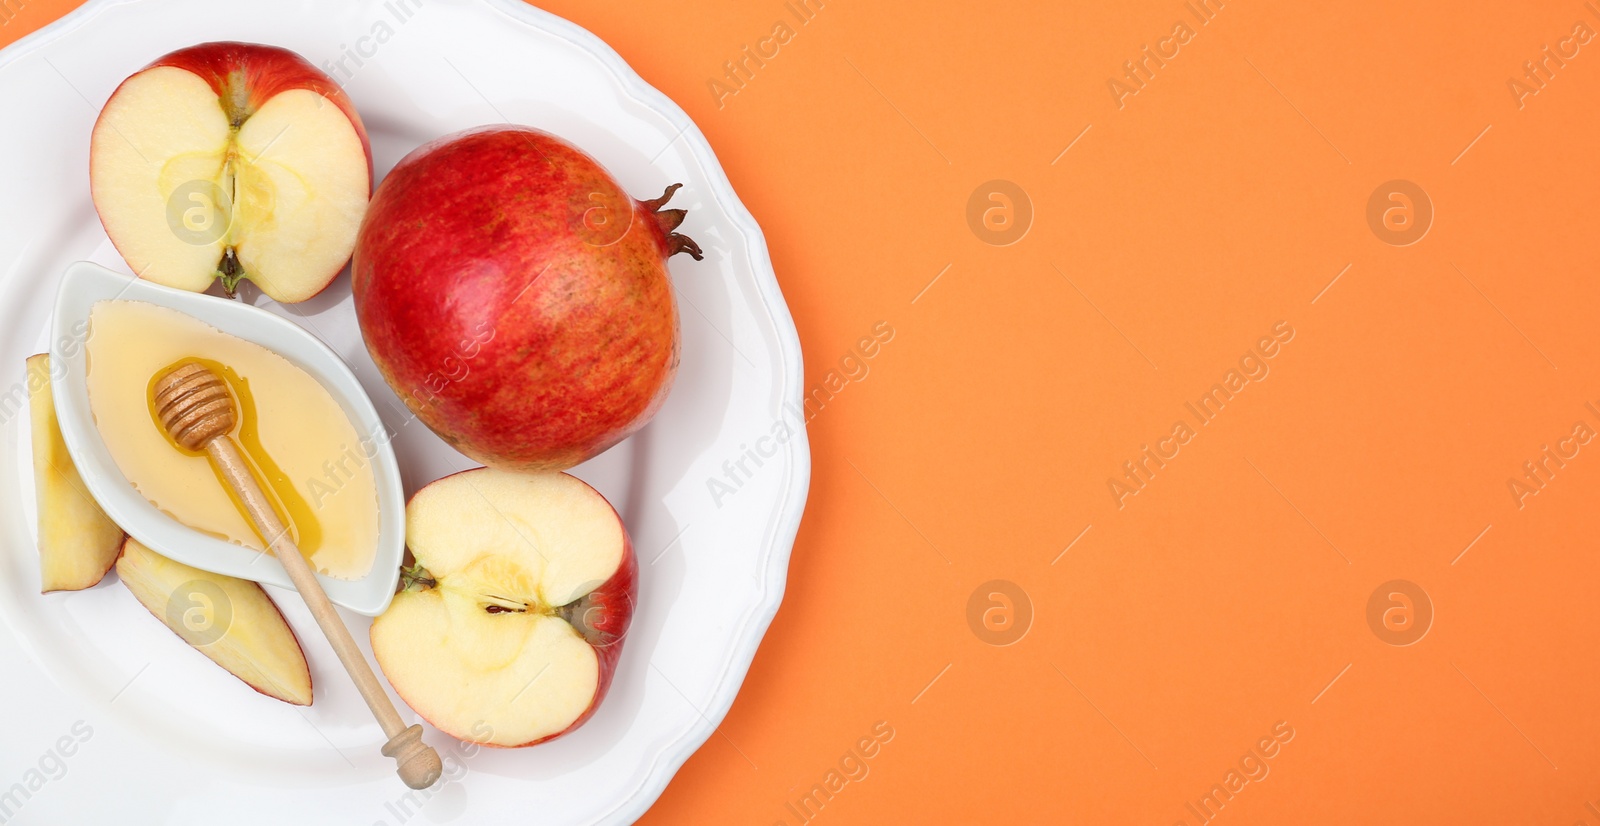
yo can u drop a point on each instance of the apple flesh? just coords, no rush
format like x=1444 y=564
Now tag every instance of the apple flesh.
x=232 y=161
x=517 y=299
x=510 y=626
x=78 y=543
x=230 y=620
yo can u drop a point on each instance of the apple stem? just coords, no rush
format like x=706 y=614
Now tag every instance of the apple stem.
x=669 y=220
x=236 y=98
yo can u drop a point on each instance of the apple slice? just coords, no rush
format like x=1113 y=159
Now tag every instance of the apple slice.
x=230 y=620
x=78 y=543
x=510 y=625
x=232 y=161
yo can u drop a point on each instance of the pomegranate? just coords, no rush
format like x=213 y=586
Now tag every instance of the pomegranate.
x=517 y=299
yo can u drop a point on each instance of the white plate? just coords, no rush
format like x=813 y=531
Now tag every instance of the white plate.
x=111 y=716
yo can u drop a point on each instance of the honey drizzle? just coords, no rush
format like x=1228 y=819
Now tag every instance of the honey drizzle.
x=304 y=528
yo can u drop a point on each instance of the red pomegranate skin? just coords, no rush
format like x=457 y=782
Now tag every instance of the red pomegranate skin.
x=517 y=299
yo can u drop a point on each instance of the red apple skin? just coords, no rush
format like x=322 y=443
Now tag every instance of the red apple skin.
x=248 y=75
x=618 y=595
x=525 y=337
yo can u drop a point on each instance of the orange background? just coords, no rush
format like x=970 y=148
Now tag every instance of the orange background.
x=1173 y=234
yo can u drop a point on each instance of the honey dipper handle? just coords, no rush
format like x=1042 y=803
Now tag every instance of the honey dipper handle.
x=418 y=763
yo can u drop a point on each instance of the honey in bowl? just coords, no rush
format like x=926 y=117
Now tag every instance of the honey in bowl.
x=302 y=448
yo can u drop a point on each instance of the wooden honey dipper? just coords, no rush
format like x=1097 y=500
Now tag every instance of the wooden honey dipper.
x=196 y=407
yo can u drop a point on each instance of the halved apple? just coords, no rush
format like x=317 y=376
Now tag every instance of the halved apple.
x=232 y=161
x=78 y=543
x=230 y=620
x=511 y=623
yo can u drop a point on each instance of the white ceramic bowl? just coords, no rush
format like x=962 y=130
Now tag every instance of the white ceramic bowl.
x=85 y=285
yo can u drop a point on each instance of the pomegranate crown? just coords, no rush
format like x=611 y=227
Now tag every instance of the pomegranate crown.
x=669 y=220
